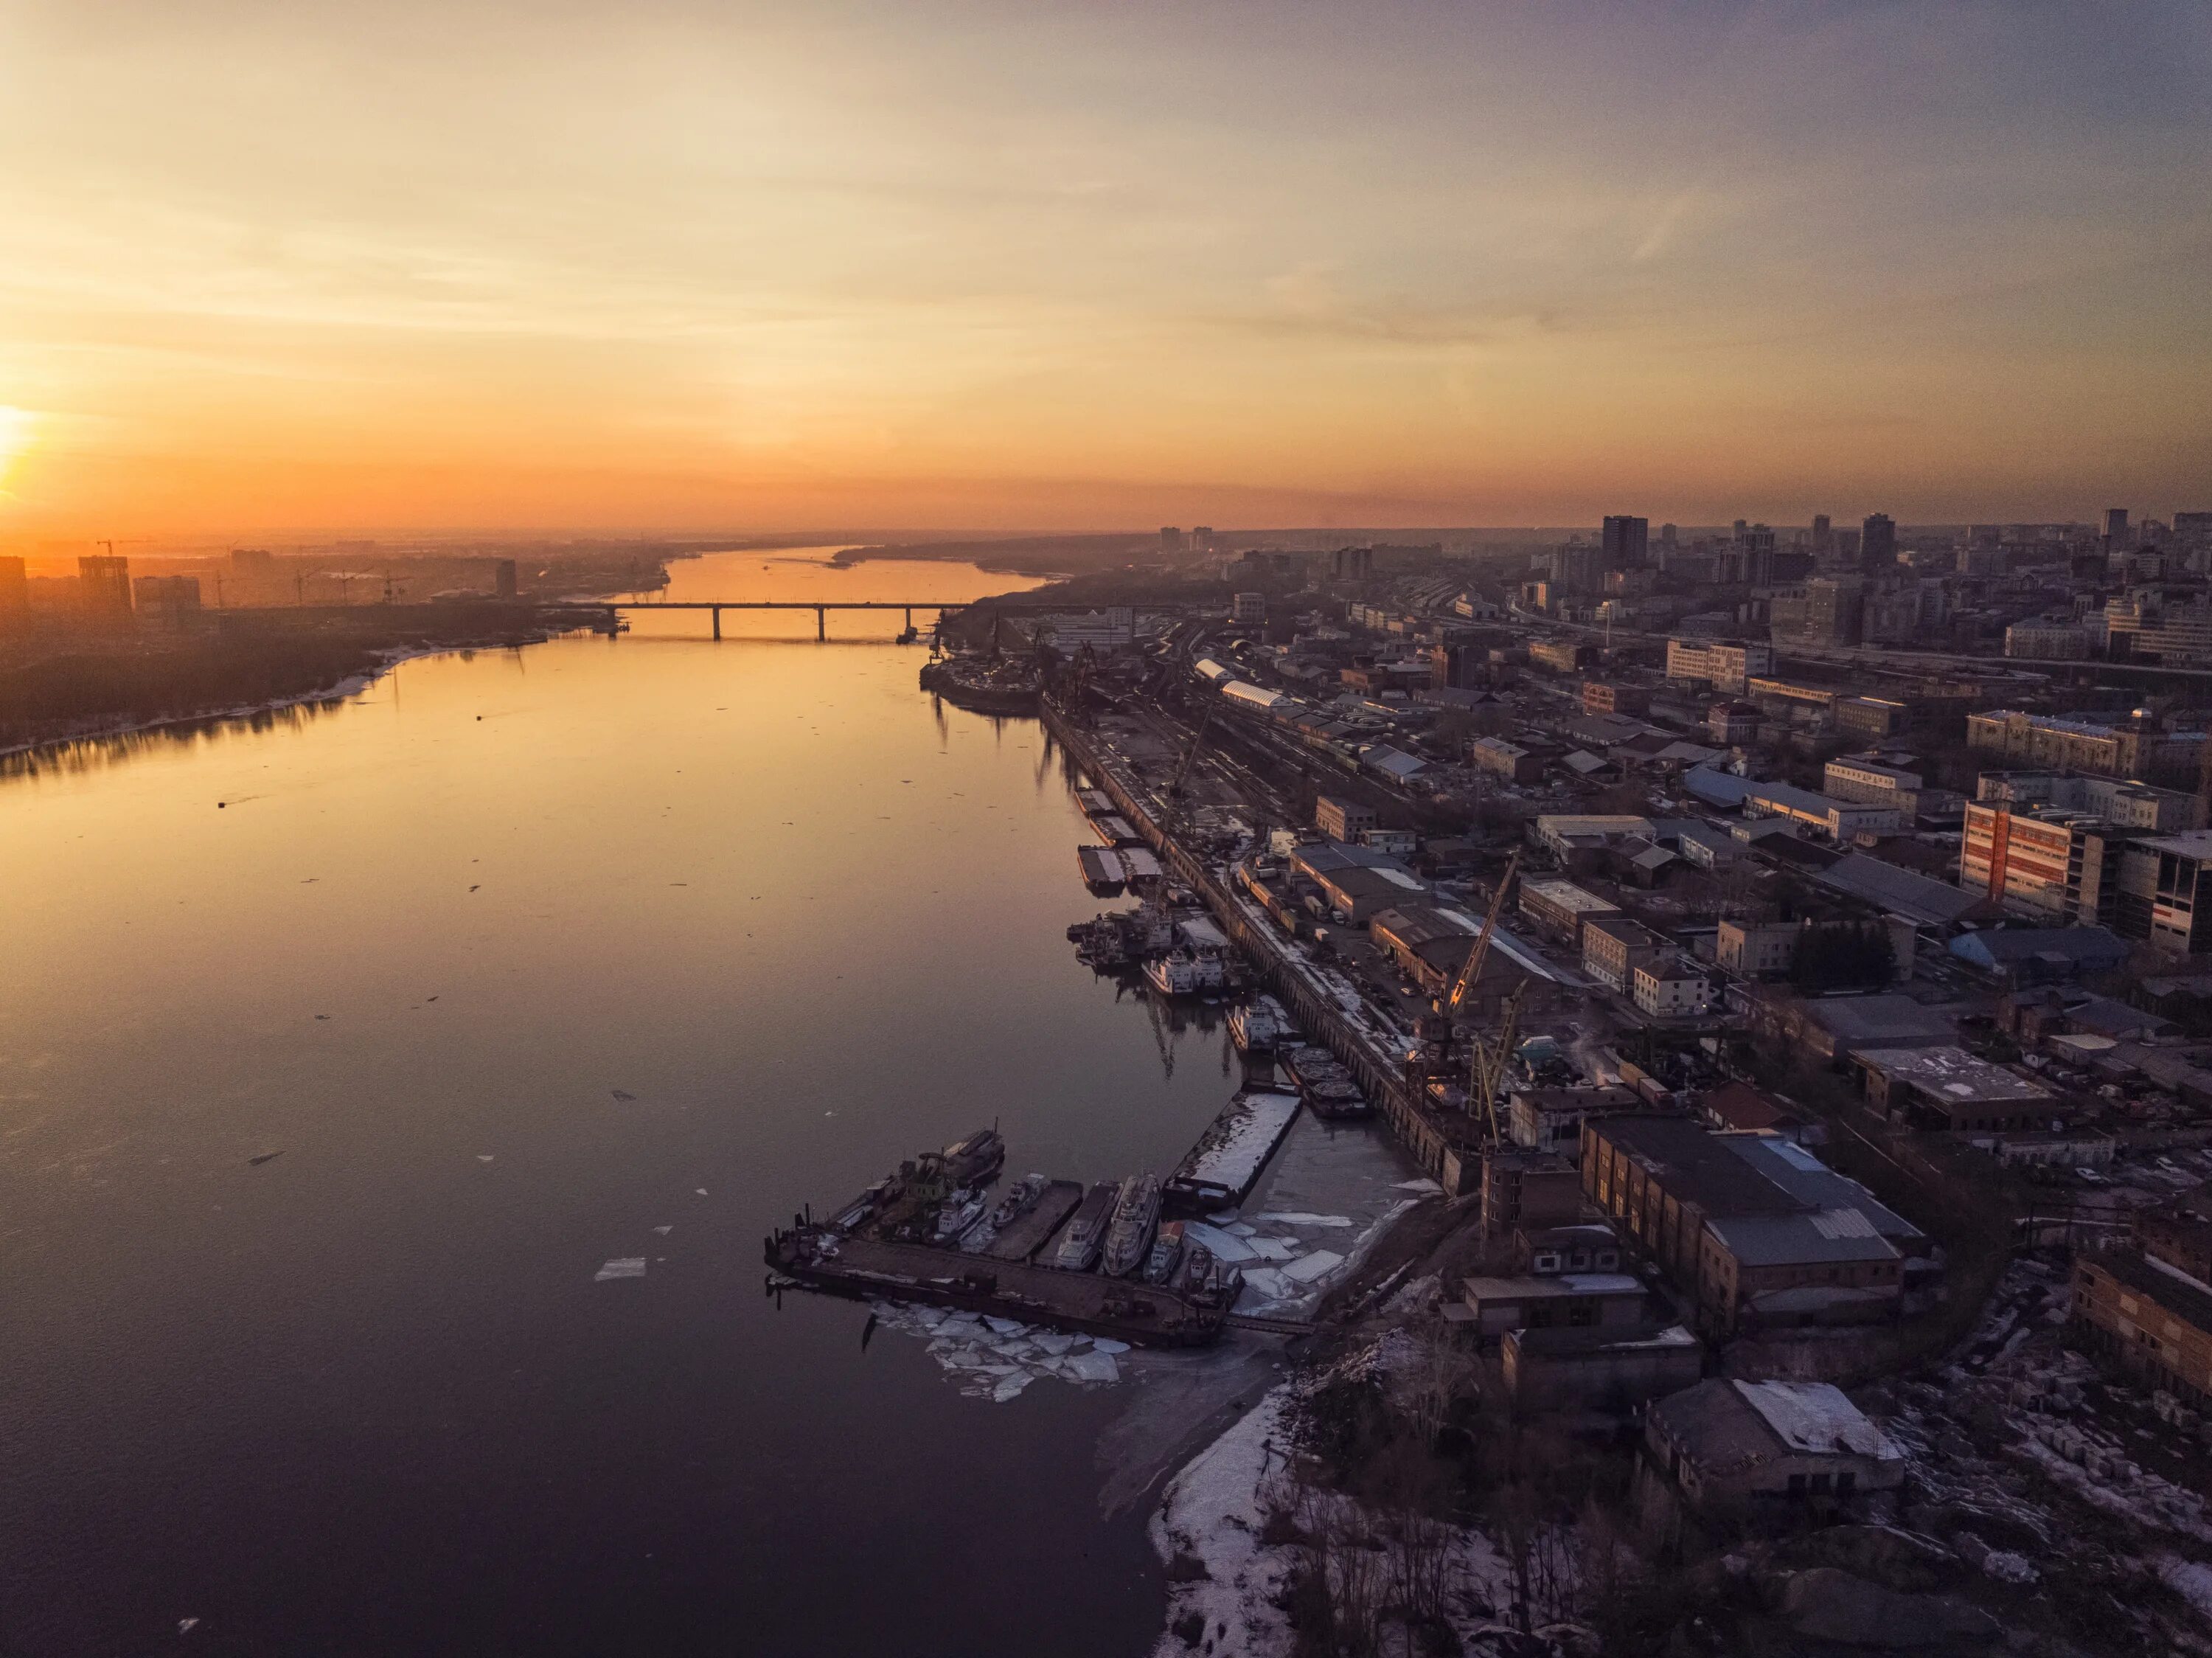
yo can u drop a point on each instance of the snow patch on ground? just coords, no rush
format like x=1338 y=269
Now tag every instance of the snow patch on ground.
x=1212 y=1512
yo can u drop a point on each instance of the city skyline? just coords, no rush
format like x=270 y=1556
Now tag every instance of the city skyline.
x=1055 y=269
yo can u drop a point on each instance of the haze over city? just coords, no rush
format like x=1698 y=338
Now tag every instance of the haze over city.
x=1064 y=266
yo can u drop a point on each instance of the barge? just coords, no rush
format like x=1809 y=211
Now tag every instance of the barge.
x=1224 y=1165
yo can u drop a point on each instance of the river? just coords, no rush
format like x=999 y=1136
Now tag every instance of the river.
x=499 y=968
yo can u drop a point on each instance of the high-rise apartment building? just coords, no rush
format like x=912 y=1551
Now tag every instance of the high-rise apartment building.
x=1626 y=542
x=1877 y=543
x=15 y=594
x=103 y=585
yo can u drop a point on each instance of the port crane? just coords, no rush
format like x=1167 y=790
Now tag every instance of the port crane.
x=1486 y=1069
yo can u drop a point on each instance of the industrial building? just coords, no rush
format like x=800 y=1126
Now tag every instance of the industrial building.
x=1755 y=1227
x=1839 y=820
x=1944 y=1087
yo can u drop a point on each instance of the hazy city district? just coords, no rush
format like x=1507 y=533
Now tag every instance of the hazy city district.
x=1777 y=952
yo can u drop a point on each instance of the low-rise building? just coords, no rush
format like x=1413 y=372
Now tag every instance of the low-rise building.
x=1565 y=1300
x=1945 y=1087
x=1873 y=716
x=1428 y=944
x=1614 y=948
x=2041 y=956
x=1524 y=1188
x=2048 y=641
x=1672 y=987
x=1354 y=882
x=1560 y=656
x=1514 y=762
x=1341 y=819
x=1605 y=696
x=1756 y=949
x=1560 y=908
x=2137 y=748
x=1597 y=1369
x=1744 y=1448
x=1724 y=664
x=1547 y=1118
x=1732 y=724
x=1839 y=820
x=2152 y=1315
x=1567 y=835
x=1753 y=1228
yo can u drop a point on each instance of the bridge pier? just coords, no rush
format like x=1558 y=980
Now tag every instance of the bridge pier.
x=821 y=622
x=718 y=621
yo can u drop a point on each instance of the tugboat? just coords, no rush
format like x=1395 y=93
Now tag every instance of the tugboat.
x=1258 y=1025
x=1130 y=1232
x=1085 y=1237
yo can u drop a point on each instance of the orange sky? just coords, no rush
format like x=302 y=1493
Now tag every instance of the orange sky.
x=714 y=266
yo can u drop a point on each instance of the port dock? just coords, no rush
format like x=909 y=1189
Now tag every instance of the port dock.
x=1021 y=1241
x=1125 y=1309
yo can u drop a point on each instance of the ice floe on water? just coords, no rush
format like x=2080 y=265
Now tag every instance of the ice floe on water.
x=996 y=1358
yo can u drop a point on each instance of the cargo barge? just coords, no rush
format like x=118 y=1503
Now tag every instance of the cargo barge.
x=1224 y=1165
x=925 y=1235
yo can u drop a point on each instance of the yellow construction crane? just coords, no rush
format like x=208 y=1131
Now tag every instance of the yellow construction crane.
x=1471 y=970
x=1486 y=1079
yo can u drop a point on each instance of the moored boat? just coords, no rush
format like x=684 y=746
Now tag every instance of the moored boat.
x=1129 y=1233
x=1175 y=973
x=958 y=1214
x=1257 y=1025
x=1166 y=1254
x=1081 y=1245
x=975 y=1159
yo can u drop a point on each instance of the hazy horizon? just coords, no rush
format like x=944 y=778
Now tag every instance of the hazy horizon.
x=1064 y=268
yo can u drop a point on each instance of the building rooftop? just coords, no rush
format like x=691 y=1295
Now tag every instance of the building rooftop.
x=1815 y=1417
x=1804 y=800
x=2196 y=844
x=1717 y=788
x=1889 y=1021
x=1952 y=1074
x=1554 y=1283
x=1565 y=895
x=1695 y=1164
x=1919 y=898
x=1826 y=1236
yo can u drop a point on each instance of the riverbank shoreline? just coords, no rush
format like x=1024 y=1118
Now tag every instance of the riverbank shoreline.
x=27 y=755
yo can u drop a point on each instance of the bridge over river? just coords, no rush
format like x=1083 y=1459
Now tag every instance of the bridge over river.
x=610 y=608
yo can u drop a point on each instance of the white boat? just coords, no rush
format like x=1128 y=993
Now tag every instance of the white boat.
x=958 y=1213
x=1257 y=1025
x=1211 y=970
x=1129 y=1233
x=1175 y=973
x=1165 y=1255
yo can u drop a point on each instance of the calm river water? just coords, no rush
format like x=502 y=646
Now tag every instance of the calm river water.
x=510 y=962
